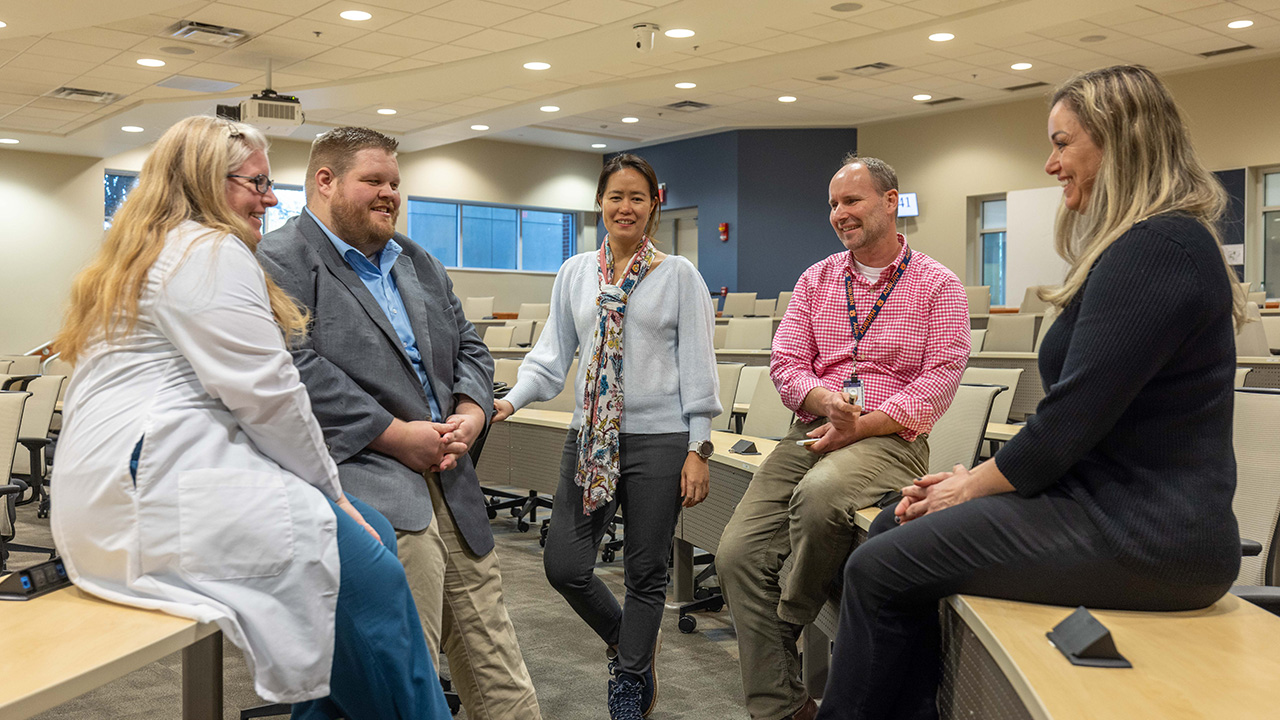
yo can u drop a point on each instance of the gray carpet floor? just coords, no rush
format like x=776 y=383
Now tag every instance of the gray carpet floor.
x=698 y=673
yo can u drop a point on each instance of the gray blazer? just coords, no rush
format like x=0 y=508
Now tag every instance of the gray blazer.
x=359 y=377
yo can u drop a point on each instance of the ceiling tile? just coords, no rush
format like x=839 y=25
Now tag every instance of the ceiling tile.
x=258 y=51
x=895 y=17
x=545 y=26
x=141 y=25
x=48 y=62
x=318 y=69
x=835 y=32
x=1172 y=6
x=739 y=54
x=597 y=11
x=491 y=40
x=449 y=53
x=1062 y=31
x=350 y=57
x=398 y=45
x=58 y=48
x=1218 y=13
x=331 y=34
x=253 y=20
x=102 y=37
x=530 y=4
x=434 y=29
x=286 y=7
x=225 y=73
x=1122 y=15
x=688 y=64
x=947 y=8
x=792 y=22
x=331 y=13
x=787 y=42
x=476 y=12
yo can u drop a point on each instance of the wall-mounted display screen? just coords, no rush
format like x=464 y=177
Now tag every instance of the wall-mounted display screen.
x=907 y=206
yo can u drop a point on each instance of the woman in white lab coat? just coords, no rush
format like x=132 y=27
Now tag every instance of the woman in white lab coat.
x=192 y=477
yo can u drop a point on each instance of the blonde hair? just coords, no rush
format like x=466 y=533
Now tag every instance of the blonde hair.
x=184 y=178
x=1148 y=167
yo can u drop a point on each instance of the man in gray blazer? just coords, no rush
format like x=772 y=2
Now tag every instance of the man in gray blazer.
x=402 y=386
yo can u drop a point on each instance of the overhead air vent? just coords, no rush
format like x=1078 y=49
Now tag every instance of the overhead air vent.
x=869 y=69
x=687 y=106
x=205 y=34
x=196 y=84
x=1028 y=86
x=1226 y=51
x=94 y=96
x=943 y=101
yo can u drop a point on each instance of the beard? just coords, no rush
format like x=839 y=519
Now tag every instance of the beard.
x=355 y=226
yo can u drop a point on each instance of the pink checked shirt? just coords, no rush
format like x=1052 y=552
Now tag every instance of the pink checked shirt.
x=911 y=359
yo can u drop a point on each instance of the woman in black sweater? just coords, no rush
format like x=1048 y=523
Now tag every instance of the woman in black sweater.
x=1117 y=493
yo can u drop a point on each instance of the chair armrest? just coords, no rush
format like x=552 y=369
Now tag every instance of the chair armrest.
x=1264 y=596
x=13 y=489
x=36 y=443
x=18 y=382
x=1250 y=548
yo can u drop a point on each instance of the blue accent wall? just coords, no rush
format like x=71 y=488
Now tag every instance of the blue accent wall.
x=770 y=186
x=784 y=222
x=1231 y=224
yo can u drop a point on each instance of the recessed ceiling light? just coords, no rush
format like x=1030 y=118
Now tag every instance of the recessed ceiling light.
x=537 y=66
x=150 y=62
x=921 y=97
x=479 y=127
x=598 y=145
x=8 y=141
x=846 y=7
x=550 y=108
x=4 y=24
x=1093 y=38
x=679 y=33
x=787 y=98
x=686 y=85
x=131 y=128
x=357 y=15
x=386 y=111
x=1240 y=24
x=630 y=119
x=942 y=37
x=1020 y=66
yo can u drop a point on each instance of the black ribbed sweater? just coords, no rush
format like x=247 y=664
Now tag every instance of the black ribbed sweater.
x=1136 y=420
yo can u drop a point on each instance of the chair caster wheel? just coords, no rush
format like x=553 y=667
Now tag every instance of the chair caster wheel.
x=607 y=556
x=522 y=526
x=688 y=624
x=491 y=513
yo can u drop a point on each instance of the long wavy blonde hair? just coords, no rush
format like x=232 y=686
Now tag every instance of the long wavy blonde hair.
x=1148 y=167
x=184 y=178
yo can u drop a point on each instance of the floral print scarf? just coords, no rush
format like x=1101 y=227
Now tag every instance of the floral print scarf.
x=598 y=463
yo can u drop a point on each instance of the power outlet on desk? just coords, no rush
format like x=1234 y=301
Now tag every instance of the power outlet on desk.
x=35 y=581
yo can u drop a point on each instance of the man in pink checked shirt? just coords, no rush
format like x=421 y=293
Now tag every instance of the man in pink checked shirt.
x=869 y=356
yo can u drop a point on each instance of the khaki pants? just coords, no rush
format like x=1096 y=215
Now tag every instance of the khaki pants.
x=800 y=505
x=460 y=605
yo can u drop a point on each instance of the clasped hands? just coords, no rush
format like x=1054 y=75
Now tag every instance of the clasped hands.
x=942 y=490
x=424 y=445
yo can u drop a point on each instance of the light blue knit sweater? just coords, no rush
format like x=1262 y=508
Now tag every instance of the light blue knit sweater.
x=668 y=360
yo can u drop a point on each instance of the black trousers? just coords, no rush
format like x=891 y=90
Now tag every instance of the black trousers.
x=649 y=495
x=1044 y=549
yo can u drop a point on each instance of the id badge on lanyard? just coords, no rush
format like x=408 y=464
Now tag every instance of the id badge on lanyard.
x=853 y=389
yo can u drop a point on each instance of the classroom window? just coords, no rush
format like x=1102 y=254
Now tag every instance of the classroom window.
x=992 y=225
x=492 y=236
x=292 y=198
x=116 y=185
x=1271 y=233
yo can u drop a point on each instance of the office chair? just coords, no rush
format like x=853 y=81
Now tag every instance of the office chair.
x=1257 y=500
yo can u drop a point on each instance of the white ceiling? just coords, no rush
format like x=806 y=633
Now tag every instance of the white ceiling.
x=445 y=65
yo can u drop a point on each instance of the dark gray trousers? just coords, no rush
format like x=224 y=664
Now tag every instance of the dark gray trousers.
x=1042 y=549
x=648 y=493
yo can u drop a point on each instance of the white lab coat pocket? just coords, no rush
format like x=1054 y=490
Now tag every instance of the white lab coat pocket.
x=234 y=524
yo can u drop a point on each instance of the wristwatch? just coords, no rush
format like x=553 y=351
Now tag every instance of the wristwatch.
x=704 y=449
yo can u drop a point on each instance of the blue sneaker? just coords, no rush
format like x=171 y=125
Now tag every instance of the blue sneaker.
x=624 y=697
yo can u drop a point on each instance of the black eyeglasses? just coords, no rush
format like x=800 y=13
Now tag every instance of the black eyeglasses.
x=261 y=183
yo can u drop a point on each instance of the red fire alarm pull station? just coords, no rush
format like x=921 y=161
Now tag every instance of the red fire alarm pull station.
x=662 y=193
x=724 y=232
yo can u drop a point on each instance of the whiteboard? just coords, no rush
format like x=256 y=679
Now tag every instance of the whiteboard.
x=1029 y=255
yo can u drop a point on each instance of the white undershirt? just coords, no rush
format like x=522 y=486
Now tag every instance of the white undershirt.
x=872 y=274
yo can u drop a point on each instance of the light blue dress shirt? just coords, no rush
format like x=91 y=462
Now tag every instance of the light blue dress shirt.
x=382 y=285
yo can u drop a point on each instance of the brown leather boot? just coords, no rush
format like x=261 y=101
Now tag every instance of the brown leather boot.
x=807 y=711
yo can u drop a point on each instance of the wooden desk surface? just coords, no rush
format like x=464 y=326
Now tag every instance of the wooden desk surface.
x=546 y=418
x=1002 y=431
x=68 y=642
x=1221 y=662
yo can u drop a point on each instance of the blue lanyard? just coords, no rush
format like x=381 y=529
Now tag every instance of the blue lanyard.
x=860 y=329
